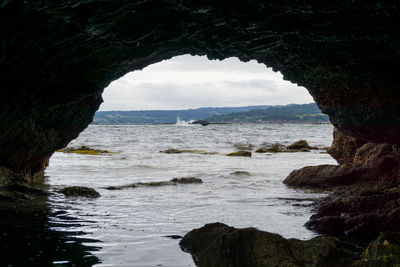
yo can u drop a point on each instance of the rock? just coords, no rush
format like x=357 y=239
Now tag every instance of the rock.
x=384 y=251
x=361 y=212
x=271 y=148
x=244 y=146
x=327 y=176
x=174 y=236
x=241 y=153
x=180 y=151
x=299 y=145
x=174 y=181
x=187 y=180
x=217 y=244
x=279 y=148
x=344 y=147
x=362 y=203
x=80 y=191
x=17 y=192
x=84 y=150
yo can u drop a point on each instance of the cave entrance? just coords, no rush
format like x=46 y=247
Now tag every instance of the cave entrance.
x=141 y=205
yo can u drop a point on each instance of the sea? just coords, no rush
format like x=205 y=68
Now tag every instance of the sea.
x=142 y=226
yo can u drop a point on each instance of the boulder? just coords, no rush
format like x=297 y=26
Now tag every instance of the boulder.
x=80 y=191
x=299 y=145
x=217 y=244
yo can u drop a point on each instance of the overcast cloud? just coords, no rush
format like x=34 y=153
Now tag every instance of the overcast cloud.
x=191 y=82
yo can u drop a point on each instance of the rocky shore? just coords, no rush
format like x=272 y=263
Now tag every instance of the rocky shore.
x=359 y=220
x=217 y=244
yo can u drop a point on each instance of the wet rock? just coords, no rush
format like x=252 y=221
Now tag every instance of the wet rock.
x=361 y=212
x=279 y=148
x=187 y=180
x=84 y=150
x=180 y=151
x=27 y=189
x=241 y=153
x=13 y=196
x=80 y=191
x=174 y=181
x=384 y=251
x=174 y=236
x=217 y=244
x=299 y=145
x=271 y=148
x=327 y=176
x=21 y=192
x=244 y=146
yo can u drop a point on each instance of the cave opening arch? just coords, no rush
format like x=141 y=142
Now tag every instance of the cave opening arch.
x=58 y=57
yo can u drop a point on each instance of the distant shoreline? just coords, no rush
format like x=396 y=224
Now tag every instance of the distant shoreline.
x=214 y=123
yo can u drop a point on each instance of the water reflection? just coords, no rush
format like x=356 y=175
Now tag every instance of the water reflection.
x=29 y=236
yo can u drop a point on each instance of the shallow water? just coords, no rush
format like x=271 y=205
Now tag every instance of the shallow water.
x=130 y=227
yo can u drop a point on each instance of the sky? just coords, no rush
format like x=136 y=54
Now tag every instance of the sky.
x=186 y=81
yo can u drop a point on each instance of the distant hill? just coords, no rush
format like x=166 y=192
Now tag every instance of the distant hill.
x=164 y=116
x=309 y=113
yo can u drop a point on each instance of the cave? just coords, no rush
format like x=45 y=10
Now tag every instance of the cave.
x=58 y=56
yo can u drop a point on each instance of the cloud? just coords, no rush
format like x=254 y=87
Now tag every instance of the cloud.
x=190 y=82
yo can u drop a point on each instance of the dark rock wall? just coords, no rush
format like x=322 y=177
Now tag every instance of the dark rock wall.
x=56 y=57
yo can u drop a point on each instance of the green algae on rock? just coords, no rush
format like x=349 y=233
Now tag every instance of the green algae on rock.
x=383 y=251
x=299 y=146
x=84 y=150
x=241 y=153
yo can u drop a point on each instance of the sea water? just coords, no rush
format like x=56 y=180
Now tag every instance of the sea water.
x=131 y=227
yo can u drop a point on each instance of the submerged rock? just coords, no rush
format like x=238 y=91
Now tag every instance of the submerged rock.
x=217 y=244
x=80 y=191
x=241 y=153
x=180 y=151
x=174 y=181
x=241 y=173
x=84 y=150
x=279 y=148
x=271 y=148
x=243 y=146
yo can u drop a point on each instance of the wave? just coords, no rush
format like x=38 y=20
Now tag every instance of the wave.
x=184 y=123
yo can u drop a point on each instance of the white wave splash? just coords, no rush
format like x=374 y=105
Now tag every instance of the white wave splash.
x=184 y=123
